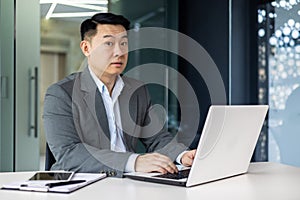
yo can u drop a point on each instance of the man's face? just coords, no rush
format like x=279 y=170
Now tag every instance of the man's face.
x=107 y=51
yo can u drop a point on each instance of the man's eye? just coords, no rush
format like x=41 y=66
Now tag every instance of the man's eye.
x=109 y=43
x=124 y=43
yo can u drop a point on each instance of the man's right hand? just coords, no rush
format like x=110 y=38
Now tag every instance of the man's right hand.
x=155 y=162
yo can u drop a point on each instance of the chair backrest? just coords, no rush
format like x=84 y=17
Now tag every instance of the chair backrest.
x=50 y=160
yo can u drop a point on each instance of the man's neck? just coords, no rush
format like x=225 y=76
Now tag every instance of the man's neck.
x=109 y=81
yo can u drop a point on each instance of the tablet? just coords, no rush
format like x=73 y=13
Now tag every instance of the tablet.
x=52 y=176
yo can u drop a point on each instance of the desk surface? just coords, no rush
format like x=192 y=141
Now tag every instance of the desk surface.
x=263 y=181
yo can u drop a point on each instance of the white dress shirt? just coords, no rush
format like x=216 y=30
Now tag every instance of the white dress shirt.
x=112 y=108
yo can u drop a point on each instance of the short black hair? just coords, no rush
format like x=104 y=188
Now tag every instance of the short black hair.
x=89 y=26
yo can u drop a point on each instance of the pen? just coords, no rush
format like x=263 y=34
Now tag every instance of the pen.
x=50 y=185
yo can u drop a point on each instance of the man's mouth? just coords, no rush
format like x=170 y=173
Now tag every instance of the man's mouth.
x=116 y=63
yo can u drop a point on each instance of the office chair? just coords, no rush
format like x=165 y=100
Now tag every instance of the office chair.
x=50 y=160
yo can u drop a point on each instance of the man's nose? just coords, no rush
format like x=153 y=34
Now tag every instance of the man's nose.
x=118 y=51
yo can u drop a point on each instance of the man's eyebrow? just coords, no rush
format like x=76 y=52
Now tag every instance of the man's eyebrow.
x=111 y=36
x=107 y=36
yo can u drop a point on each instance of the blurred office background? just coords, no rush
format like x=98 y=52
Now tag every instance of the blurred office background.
x=255 y=45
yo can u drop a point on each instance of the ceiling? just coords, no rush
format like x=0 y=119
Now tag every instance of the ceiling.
x=71 y=10
x=78 y=10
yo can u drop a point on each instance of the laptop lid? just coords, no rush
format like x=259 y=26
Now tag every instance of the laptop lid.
x=228 y=140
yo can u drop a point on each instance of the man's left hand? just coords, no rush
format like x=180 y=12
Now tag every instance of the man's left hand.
x=188 y=158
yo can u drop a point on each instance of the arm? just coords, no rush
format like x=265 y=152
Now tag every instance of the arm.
x=70 y=151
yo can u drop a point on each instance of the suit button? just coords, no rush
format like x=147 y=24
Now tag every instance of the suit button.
x=110 y=173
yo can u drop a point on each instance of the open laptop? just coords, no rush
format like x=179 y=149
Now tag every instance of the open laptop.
x=228 y=140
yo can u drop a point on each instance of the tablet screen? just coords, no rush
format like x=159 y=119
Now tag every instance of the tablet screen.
x=51 y=176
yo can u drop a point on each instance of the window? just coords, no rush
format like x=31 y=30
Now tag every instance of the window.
x=279 y=77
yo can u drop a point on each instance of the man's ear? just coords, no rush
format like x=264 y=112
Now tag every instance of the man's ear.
x=85 y=47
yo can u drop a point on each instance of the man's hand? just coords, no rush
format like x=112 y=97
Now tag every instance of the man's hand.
x=155 y=162
x=188 y=158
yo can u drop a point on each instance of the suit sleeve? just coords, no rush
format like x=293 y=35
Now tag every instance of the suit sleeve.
x=67 y=147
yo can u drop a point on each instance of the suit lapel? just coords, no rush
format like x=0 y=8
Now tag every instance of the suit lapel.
x=128 y=111
x=94 y=102
x=101 y=113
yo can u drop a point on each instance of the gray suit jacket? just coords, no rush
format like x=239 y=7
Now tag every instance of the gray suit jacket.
x=77 y=130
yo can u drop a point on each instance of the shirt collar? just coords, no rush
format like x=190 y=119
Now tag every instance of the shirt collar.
x=102 y=88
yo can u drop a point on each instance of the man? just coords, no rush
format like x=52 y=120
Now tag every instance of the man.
x=93 y=119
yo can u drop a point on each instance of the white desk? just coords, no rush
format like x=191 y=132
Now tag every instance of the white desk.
x=269 y=181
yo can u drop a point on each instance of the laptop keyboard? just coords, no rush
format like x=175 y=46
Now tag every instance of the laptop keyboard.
x=181 y=174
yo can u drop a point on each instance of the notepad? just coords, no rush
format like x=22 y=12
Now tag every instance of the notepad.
x=82 y=180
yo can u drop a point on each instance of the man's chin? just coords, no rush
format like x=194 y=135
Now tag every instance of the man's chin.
x=113 y=73
x=115 y=70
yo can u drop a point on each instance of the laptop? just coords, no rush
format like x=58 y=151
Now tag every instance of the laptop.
x=228 y=140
